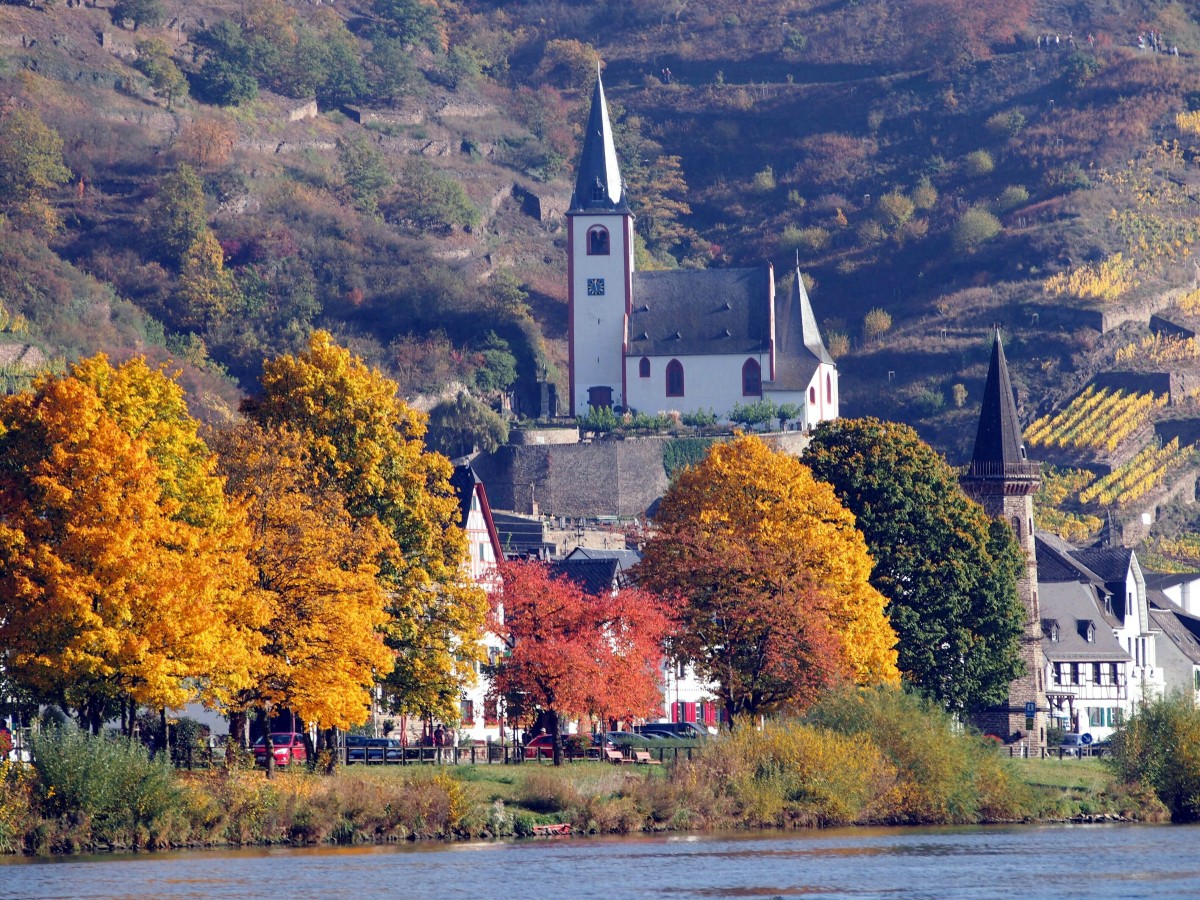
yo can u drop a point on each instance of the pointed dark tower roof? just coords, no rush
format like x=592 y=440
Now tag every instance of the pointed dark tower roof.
x=999 y=446
x=598 y=187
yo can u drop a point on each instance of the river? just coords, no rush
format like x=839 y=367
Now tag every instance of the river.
x=1058 y=861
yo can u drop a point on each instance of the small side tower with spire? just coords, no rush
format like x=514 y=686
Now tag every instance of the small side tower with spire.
x=1003 y=481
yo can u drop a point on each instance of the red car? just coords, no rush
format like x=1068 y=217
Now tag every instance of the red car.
x=541 y=747
x=288 y=746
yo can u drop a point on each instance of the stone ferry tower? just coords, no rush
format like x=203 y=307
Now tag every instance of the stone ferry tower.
x=1003 y=481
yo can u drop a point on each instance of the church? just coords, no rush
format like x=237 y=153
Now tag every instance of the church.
x=687 y=339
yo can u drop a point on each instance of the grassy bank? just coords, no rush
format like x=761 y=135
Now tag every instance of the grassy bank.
x=861 y=759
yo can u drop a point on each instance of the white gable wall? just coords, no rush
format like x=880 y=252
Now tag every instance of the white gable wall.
x=822 y=408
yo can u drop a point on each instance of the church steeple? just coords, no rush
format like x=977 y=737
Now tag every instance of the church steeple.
x=999 y=446
x=598 y=187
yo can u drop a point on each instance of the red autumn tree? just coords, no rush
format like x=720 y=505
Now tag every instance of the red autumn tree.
x=571 y=653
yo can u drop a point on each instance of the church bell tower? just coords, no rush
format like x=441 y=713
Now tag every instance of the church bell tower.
x=600 y=268
x=1003 y=481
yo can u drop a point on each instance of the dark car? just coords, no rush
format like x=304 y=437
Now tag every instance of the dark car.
x=288 y=747
x=682 y=730
x=372 y=750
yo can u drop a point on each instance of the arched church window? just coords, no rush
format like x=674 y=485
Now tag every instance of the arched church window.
x=674 y=378
x=644 y=368
x=751 y=378
x=597 y=243
x=828 y=388
x=1016 y=525
x=812 y=395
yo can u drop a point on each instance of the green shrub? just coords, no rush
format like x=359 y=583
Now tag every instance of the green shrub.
x=975 y=228
x=764 y=181
x=1011 y=197
x=978 y=163
x=1160 y=747
x=943 y=775
x=127 y=797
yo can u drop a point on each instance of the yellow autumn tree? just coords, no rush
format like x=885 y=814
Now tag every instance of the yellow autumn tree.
x=207 y=290
x=316 y=571
x=369 y=444
x=149 y=405
x=771 y=578
x=106 y=595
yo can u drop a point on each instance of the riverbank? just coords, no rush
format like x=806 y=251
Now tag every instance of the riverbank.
x=867 y=759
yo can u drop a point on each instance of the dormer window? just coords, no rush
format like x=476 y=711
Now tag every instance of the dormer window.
x=1054 y=632
x=1090 y=633
x=599 y=194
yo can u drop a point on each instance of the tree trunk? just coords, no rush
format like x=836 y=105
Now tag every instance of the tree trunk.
x=264 y=722
x=554 y=725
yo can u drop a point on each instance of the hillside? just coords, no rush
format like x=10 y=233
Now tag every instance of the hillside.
x=937 y=166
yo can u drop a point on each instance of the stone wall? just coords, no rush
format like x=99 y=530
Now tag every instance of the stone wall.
x=597 y=479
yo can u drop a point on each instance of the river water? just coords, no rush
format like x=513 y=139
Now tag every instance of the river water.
x=1057 y=861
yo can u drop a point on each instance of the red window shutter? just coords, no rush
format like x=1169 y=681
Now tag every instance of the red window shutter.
x=710 y=714
x=689 y=712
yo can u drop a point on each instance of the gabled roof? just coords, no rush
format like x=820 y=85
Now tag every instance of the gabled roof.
x=693 y=312
x=798 y=345
x=598 y=187
x=1056 y=562
x=1182 y=628
x=463 y=481
x=520 y=535
x=1110 y=563
x=1073 y=606
x=593 y=576
x=999 y=446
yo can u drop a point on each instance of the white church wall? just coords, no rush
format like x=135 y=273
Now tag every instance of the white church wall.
x=709 y=383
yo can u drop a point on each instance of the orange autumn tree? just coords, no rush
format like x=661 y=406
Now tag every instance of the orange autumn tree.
x=316 y=573
x=770 y=576
x=107 y=595
x=571 y=654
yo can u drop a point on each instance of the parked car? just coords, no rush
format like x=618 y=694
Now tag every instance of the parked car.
x=541 y=747
x=683 y=730
x=1073 y=744
x=373 y=750
x=288 y=748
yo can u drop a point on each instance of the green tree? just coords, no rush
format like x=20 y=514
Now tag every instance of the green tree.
x=457 y=427
x=948 y=571
x=140 y=12
x=430 y=200
x=412 y=22
x=391 y=73
x=31 y=165
x=154 y=61
x=178 y=216
x=364 y=171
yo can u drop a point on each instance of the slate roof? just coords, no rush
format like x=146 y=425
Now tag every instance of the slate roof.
x=521 y=535
x=626 y=559
x=692 y=312
x=598 y=164
x=1073 y=606
x=463 y=482
x=798 y=345
x=594 y=576
x=1110 y=563
x=1182 y=628
x=1056 y=562
x=999 y=446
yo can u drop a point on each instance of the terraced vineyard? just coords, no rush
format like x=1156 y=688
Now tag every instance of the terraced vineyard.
x=1138 y=477
x=1096 y=420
